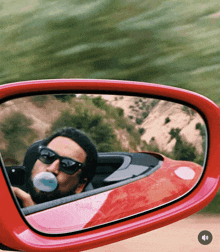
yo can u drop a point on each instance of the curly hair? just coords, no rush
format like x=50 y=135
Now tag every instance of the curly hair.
x=88 y=170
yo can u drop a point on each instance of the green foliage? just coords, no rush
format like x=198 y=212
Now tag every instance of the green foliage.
x=129 y=128
x=151 y=147
x=98 y=120
x=93 y=125
x=139 y=120
x=198 y=126
x=39 y=100
x=154 y=148
x=183 y=150
x=188 y=111
x=99 y=102
x=202 y=129
x=145 y=114
x=154 y=103
x=120 y=112
x=141 y=131
x=167 y=120
x=65 y=98
x=174 y=133
x=16 y=129
x=15 y=125
x=199 y=159
x=130 y=40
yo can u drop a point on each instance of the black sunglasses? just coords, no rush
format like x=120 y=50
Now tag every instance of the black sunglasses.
x=67 y=165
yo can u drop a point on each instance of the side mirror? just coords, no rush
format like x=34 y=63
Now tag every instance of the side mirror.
x=158 y=160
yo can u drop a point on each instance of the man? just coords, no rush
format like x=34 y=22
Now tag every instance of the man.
x=69 y=155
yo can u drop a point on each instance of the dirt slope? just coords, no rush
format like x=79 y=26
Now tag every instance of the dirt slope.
x=155 y=126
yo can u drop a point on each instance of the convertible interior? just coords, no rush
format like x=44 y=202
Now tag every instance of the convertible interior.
x=114 y=169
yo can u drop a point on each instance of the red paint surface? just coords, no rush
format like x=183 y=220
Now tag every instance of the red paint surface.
x=161 y=187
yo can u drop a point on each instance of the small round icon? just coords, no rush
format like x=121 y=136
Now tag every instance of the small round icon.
x=205 y=237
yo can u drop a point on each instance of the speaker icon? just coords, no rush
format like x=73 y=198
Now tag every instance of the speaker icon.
x=205 y=237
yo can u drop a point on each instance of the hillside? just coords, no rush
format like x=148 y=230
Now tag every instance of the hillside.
x=115 y=123
x=158 y=118
x=26 y=120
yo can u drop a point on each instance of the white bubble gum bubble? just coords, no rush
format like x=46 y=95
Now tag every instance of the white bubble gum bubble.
x=45 y=181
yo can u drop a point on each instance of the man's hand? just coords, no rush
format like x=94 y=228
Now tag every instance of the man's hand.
x=23 y=196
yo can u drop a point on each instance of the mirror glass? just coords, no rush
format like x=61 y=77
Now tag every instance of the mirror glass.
x=149 y=152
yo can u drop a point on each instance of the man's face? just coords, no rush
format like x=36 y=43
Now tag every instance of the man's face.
x=67 y=184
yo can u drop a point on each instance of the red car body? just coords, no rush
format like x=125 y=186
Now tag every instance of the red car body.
x=171 y=181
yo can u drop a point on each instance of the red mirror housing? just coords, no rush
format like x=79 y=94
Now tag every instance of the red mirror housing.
x=17 y=233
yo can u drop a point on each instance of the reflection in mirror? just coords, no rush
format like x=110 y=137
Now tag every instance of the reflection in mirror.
x=113 y=156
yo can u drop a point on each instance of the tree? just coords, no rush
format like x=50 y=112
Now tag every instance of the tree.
x=17 y=132
x=100 y=132
x=182 y=150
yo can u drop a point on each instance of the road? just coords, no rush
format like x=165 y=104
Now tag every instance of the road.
x=179 y=236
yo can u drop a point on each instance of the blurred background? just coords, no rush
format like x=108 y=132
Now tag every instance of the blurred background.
x=170 y=42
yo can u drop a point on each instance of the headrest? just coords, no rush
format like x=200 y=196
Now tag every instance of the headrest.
x=31 y=156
